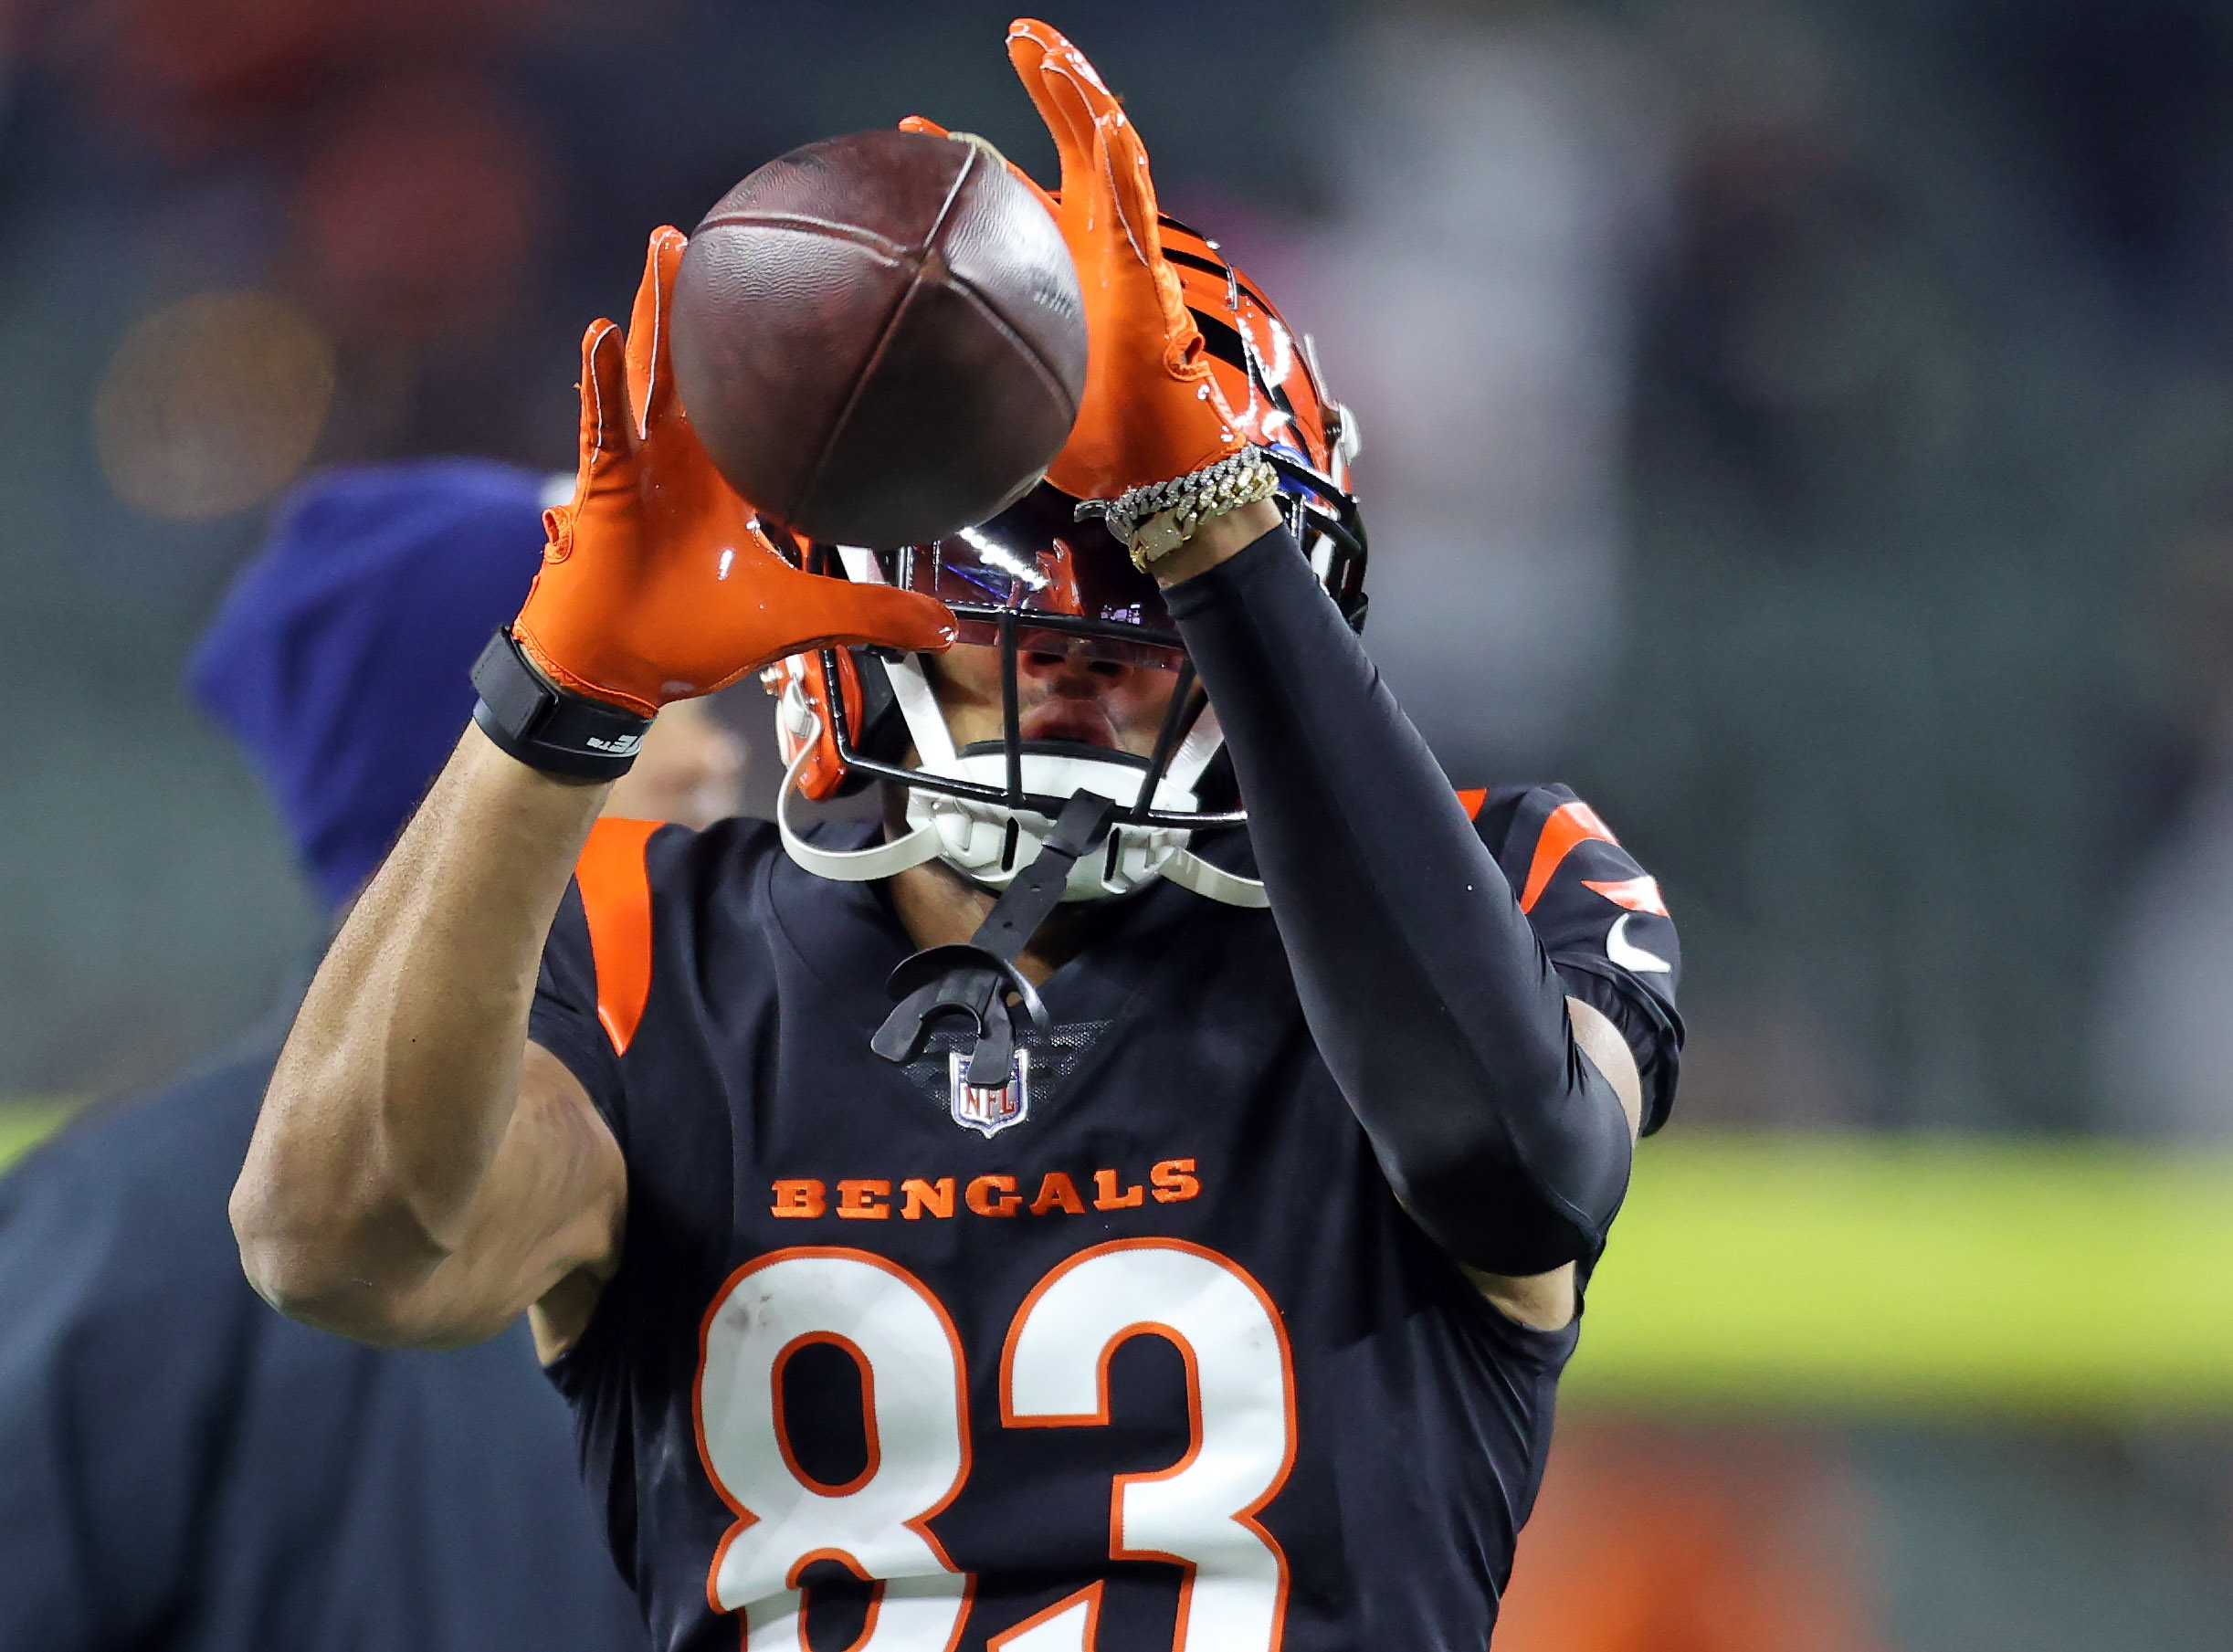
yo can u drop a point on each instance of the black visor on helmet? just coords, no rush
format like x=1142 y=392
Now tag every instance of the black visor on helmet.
x=1062 y=583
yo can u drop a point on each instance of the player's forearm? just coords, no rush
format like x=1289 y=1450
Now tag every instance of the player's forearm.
x=1423 y=983
x=399 y=1078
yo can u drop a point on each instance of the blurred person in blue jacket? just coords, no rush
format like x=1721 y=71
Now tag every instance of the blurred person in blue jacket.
x=180 y=1465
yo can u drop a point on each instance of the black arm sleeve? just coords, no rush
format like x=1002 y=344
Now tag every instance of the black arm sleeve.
x=1426 y=991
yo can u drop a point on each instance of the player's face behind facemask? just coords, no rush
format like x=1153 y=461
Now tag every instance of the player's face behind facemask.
x=1065 y=694
x=1098 y=662
x=1068 y=679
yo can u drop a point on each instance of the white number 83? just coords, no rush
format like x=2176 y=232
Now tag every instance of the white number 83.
x=1054 y=1372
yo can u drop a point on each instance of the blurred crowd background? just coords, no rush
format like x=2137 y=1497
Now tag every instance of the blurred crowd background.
x=1804 y=426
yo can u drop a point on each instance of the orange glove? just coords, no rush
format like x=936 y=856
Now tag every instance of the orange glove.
x=657 y=583
x=1152 y=411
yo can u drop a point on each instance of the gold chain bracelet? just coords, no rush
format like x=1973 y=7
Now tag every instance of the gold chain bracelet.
x=1153 y=520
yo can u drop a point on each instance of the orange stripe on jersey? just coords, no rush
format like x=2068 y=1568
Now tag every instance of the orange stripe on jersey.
x=1570 y=826
x=1470 y=802
x=1637 y=894
x=617 y=899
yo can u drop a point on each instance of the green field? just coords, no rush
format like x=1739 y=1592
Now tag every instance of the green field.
x=1917 y=1274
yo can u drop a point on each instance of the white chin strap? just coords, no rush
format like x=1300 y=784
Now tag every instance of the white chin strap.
x=988 y=843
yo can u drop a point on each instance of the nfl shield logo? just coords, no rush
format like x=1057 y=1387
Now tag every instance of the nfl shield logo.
x=988 y=1109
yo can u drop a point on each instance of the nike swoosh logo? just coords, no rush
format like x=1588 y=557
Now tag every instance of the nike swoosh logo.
x=1627 y=954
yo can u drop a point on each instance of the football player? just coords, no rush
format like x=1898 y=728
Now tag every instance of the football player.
x=1138 y=1194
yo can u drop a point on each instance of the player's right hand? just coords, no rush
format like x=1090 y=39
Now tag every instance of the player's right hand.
x=657 y=583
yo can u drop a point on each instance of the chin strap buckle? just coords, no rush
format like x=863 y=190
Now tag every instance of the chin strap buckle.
x=976 y=977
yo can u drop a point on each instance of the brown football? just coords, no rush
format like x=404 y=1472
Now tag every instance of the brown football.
x=879 y=338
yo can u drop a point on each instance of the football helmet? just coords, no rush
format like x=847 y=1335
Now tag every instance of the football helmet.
x=1039 y=578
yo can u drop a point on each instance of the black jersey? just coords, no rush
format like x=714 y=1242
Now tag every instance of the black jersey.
x=1137 y=1350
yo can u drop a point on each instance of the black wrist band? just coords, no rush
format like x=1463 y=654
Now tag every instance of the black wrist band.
x=547 y=727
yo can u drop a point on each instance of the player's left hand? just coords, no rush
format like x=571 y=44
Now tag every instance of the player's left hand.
x=1152 y=411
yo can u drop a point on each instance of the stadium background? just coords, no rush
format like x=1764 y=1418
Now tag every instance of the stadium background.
x=1806 y=426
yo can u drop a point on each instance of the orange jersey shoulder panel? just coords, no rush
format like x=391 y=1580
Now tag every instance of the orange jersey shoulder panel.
x=1570 y=824
x=617 y=900
x=1470 y=800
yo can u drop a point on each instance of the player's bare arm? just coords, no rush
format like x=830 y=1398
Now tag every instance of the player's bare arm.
x=421 y=1172
x=418 y=1174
